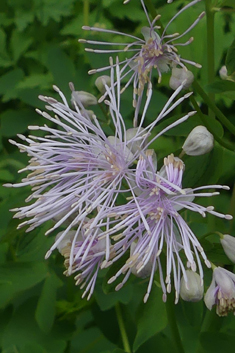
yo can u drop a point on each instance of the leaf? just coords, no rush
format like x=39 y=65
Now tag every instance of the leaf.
x=45 y=311
x=229 y=3
x=221 y=86
x=216 y=342
x=152 y=318
x=107 y=301
x=14 y=121
x=10 y=80
x=19 y=43
x=230 y=59
x=210 y=168
x=23 y=332
x=18 y=277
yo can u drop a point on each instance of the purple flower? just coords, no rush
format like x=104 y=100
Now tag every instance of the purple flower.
x=75 y=170
x=154 y=51
x=85 y=252
x=152 y=220
x=221 y=292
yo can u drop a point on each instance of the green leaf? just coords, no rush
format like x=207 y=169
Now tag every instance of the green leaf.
x=217 y=342
x=14 y=121
x=23 y=332
x=10 y=80
x=221 y=86
x=210 y=168
x=229 y=3
x=45 y=311
x=19 y=43
x=6 y=175
x=230 y=59
x=107 y=301
x=18 y=277
x=152 y=318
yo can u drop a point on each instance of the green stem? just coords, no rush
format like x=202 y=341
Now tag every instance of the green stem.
x=86 y=8
x=210 y=50
x=223 y=143
x=221 y=117
x=170 y=308
x=125 y=341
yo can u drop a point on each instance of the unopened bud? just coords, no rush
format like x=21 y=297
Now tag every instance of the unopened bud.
x=198 y=142
x=179 y=77
x=84 y=98
x=228 y=243
x=223 y=72
x=65 y=241
x=192 y=289
x=101 y=81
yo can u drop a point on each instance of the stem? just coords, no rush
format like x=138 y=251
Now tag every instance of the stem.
x=210 y=50
x=125 y=341
x=223 y=143
x=170 y=308
x=86 y=7
x=221 y=117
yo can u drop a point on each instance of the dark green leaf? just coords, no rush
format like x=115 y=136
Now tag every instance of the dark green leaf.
x=10 y=79
x=19 y=44
x=221 y=86
x=152 y=318
x=45 y=311
x=106 y=301
x=217 y=342
x=14 y=121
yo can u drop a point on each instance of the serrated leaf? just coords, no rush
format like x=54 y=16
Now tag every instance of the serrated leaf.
x=45 y=311
x=230 y=59
x=152 y=318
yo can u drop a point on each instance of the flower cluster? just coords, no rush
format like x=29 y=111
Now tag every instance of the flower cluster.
x=106 y=195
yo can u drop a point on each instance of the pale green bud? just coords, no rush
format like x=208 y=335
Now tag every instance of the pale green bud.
x=84 y=98
x=179 y=77
x=101 y=81
x=198 y=142
x=191 y=290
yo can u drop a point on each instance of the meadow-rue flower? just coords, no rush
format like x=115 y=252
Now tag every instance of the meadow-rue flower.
x=86 y=253
x=152 y=220
x=228 y=243
x=179 y=77
x=154 y=51
x=191 y=287
x=75 y=170
x=200 y=141
x=221 y=292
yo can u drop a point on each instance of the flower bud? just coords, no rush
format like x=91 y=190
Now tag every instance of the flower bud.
x=223 y=72
x=228 y=243
x=179 y=76
x=101 y=81
x=84 y=98
x=134 y=141
x=198 y=142
x=192 y=290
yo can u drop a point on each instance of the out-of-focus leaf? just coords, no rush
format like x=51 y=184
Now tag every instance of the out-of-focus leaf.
x=23 y=331
x=216 y=342
x=14 y=121
x=10 y=80
x=6 y=175
x=230 y=59
x=18 y=277
x=152 y=318
x=36 y=80
x=210 y=168
x=229 y=3
x=221 y=86
x=45 y=311
x=19 y=44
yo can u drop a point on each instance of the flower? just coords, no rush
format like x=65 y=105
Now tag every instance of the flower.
x=154 y=51
x=86 y=253
x=200 y=141
x=221 y=292
x=181 y=76
x=228 y=243
x=152 y=220
x=191 y=290
x=75 y=170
